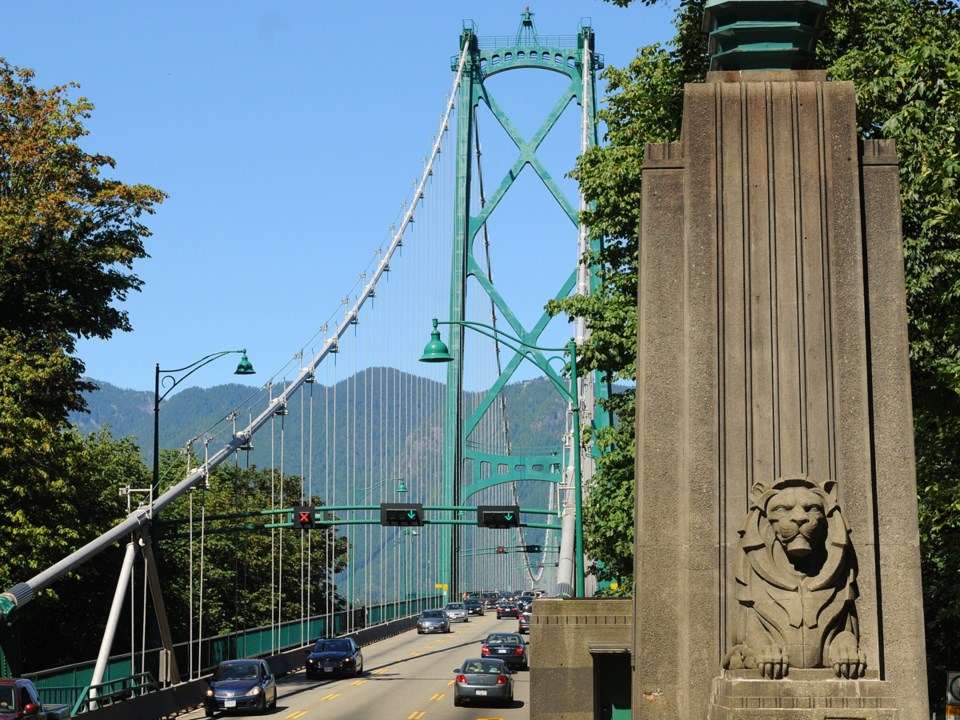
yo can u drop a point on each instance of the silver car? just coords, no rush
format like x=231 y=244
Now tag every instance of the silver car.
x=457 y=612
x=483 y=679
x=433 y=621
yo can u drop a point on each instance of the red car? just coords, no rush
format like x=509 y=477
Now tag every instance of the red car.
x=507 y=610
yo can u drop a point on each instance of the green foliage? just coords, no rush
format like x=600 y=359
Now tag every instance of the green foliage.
x=45 y=522
x=68 y=238
x=249 y=572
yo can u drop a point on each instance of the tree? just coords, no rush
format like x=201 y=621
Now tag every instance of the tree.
x=68 y=240
x=250 y=572
x=904 y=58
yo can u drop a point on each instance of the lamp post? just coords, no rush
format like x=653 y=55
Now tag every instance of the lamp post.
x=168 y=377
x=436 y=351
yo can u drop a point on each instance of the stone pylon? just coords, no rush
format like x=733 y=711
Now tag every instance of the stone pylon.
x=777 y=548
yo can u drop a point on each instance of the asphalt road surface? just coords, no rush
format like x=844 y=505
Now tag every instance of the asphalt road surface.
x=406 y=677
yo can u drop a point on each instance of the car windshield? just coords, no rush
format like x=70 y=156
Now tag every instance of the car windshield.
x=237 y=671
x=433 y=613
x=6 y=698
x=503 y=640
x=455 y=606
x=332 y=646
x=480 y=667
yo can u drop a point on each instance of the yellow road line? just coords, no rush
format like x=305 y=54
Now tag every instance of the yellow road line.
x=451 y=682
x=331 y=696
x=381 y=671
x=358 y=682
x=438 y=696
x=415 y=652
x=298 y=713
x=416 y=715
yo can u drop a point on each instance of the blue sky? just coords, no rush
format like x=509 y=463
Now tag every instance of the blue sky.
x=286 y=133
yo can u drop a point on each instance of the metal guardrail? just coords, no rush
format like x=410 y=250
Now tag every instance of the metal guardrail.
x=114 y=691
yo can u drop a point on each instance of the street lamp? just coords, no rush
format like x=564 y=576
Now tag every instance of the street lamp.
x=436 y=351
x=243 y=368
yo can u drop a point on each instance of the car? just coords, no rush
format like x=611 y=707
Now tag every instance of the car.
x=523 y=622
x=490 y=599
x=334 y=656
x=525 y=602
x=507 y=609
x=19 y=698
x=240 y=685
x=473 y=606
x=509 y=647
x=456 y=612
x=483 y=679
x=433 y=621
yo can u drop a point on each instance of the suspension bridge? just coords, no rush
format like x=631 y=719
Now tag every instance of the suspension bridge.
x=397 y=419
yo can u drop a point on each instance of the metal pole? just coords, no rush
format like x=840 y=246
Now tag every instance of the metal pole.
x=111 y=629
x=577 y=486
x=156 y=430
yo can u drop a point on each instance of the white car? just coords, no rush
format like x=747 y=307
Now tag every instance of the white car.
x=457 y=612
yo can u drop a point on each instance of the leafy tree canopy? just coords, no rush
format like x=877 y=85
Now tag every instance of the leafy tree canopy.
x=68 y=241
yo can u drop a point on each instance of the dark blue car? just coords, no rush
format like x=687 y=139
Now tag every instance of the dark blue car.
x=334 y=656
x=241 y=685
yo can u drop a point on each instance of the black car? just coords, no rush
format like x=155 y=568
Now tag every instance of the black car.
x=334 y=656
x=240 y=685
x=507 y=609
x=473 y=606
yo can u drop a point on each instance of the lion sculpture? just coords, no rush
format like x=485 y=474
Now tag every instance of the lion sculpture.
x=796 y=583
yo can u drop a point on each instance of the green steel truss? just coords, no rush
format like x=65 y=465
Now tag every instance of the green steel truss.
x=486 y=57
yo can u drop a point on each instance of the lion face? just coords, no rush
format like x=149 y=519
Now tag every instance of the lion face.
x=798 y=520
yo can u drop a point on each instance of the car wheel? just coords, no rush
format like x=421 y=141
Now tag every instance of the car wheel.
x=208 y=711
x=273 y=705
x=359 y=669
x=261 y=704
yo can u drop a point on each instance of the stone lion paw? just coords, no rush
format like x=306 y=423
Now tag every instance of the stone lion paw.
x=846 y=657
x=772 y=662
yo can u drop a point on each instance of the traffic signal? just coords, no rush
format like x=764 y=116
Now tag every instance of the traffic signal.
x=533 y=548
x=498 y=516
x=501 y=549
x=304 y=517
x=404 y=514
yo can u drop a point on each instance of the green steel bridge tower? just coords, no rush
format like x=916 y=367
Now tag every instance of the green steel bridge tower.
x=573 y=58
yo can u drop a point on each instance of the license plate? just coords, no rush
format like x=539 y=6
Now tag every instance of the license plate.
x=481 y=692
x=229 y=703
x=328 y=669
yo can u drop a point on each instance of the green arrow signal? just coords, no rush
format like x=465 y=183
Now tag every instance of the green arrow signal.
x=508 y=516
x=412 y=514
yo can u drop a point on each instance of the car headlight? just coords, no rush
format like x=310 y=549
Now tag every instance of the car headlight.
x=255 y=690
x=209 y=692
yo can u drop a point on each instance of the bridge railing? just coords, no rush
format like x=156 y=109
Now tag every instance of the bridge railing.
x=68 y=684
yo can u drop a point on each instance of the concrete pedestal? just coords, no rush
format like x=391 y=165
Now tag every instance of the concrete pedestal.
x=772 y=343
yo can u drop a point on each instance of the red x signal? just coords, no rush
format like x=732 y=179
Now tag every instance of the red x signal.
x=303 y=517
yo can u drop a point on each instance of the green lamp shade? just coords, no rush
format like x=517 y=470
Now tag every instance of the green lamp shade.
x=244 y=367
x=763 y=34
x=401 y=485
x=435 y=351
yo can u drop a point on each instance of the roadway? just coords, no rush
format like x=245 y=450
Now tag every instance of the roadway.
x=406 y=677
